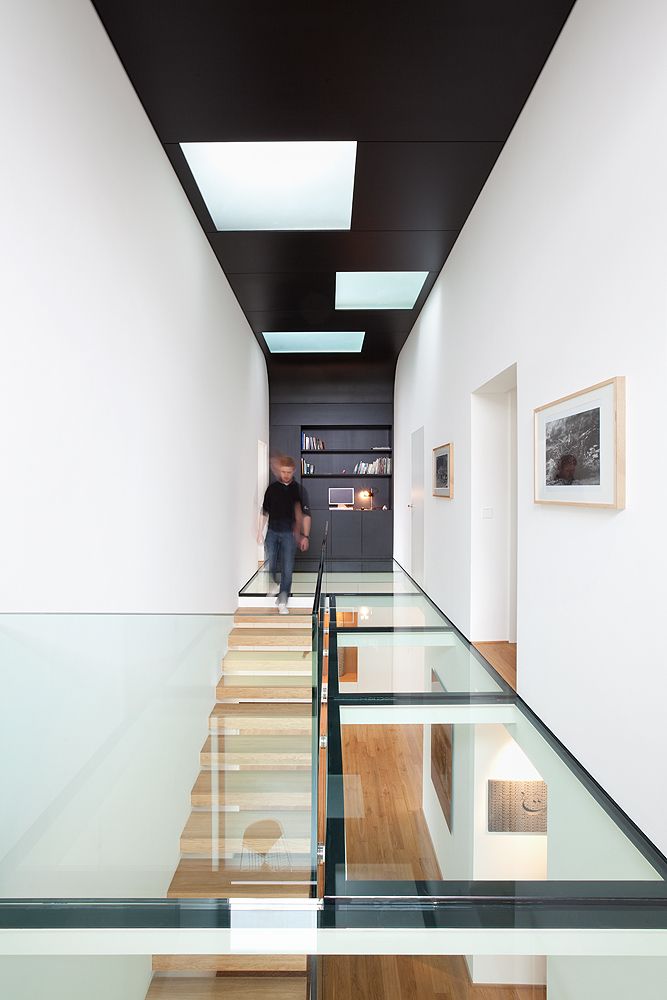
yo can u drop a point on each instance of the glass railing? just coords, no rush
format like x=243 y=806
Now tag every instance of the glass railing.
x=144 y=787
x=449 y=801
x=461 y=967
x=102 y=722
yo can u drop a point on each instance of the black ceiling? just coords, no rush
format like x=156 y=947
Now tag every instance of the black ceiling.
x=430 y=90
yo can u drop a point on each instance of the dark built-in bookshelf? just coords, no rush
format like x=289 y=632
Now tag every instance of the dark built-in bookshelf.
x=349 y=408
x=348 y=453
x=343 y=455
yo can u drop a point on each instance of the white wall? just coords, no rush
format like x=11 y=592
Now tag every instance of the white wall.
x=132 y=391
x=561 y=270
x=124 y=977
x=611 y=978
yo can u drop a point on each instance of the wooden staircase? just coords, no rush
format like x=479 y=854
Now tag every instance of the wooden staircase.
x=249 y=831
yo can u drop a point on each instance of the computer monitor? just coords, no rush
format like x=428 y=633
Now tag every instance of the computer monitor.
x=341 y=496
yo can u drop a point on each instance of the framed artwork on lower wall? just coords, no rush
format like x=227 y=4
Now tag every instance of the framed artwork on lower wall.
x=442 y=768
x=443 y=471
x=580 y=448
x=517 y=806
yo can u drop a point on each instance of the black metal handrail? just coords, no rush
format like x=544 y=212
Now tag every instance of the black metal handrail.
x=320 y=571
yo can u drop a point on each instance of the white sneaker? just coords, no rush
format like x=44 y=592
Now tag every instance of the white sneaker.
x=274 y=588
x=282 y=609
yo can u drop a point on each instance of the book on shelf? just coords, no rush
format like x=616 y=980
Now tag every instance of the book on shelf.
x=311 y=443
x=380 y=467
x=307 y=468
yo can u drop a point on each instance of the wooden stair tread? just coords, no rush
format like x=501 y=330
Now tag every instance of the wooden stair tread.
x=262 y=718
x=248 y=790
x=267 y=655
x=196 y=878
x=261 y=753
x=229 y=988
x=296 y=638
x=274 y=621
x=292 y=823
x=264 y=711
x=230 y=963
x=290 y=743
x=246 y=693
x=268 y=609
x=267 y=663
x=269 y=612
x=273 y=630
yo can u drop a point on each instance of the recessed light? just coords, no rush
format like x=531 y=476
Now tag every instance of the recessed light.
x=378 y=289
x=275 y=185
x=315 y=342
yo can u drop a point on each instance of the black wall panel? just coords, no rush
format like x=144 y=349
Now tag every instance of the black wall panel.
x=304 y=394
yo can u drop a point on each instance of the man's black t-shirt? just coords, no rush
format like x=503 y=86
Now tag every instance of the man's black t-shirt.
x=280 y=500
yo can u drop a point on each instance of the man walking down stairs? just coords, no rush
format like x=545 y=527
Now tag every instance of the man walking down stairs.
x=249 y=831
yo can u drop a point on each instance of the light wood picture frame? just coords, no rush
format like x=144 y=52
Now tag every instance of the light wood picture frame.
x=517 y=806
x=442 y=768
x=579 y=443
x=443 y=471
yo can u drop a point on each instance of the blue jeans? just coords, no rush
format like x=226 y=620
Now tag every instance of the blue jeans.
x=281 y=550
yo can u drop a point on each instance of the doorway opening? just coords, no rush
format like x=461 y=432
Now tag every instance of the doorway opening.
x=493 y=577
x=417 y=507
x=262 y=483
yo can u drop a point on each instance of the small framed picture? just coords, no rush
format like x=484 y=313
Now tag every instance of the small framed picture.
x=517 y=807
x=580 y=448
x=443 y=471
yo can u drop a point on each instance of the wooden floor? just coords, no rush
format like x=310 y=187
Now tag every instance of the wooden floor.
x=501 y=656
x=386 y=833
x=407 y=977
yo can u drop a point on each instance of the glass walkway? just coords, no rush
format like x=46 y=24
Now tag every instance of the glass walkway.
x=356 y=802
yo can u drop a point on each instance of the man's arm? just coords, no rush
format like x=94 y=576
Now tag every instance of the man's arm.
x=303 y=521
x=263 y=518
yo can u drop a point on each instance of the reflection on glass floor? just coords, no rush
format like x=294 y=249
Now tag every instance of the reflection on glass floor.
x=400 y=610
x=410 y=662
x=338 y=579
x=436 y=799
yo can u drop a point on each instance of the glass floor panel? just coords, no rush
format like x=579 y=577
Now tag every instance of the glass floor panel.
x=338 y=579
x=303 y=584
x=430 y=798
x=390 y=611
x=409 y=662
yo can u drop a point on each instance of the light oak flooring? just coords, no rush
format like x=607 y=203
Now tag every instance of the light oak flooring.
x=501 y=656
x=386 y=834
x=407 y=977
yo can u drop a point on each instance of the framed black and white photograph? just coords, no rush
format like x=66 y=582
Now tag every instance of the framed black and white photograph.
x=580 y=448
x=443 y=471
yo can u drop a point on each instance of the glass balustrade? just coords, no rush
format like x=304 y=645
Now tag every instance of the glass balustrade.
x=358 y=770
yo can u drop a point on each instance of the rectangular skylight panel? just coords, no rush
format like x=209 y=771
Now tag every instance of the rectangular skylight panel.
x=378 y=289
x=327 y=342
x=275 y=185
